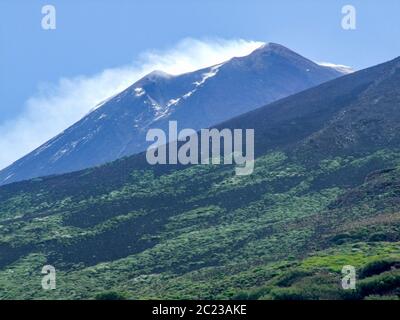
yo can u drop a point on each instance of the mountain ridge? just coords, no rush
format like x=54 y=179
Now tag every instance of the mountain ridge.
x=199 y=99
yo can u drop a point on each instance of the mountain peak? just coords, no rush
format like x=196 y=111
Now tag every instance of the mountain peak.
x=271 y=47
x=279 y=56
x=156 y=74
x=153 y=77
x=196 y=99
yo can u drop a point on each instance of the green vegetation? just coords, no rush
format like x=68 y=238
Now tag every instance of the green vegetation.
x=284 y=232
x=110 y=295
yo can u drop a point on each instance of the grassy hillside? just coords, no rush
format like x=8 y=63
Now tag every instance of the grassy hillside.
x=317 y=200
x=203 y=232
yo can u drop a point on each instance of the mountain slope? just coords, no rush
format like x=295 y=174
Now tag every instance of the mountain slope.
x=196 y=100
x=317 y=200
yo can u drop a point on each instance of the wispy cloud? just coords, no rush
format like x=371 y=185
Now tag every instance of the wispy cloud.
x=57 y=106
x=339 y=67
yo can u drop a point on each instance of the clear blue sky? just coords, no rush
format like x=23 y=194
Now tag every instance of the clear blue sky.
x=93 y=35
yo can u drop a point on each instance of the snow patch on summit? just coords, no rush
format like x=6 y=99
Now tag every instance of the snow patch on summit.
x=139 y=92
x=173 y=102
x=160 y=110
x=213 y=72
x=205 y=76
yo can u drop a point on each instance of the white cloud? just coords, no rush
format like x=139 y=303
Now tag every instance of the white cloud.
x=340 y=67
x=57 y=106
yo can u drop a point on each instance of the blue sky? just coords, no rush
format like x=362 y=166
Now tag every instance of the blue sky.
x=94 y=35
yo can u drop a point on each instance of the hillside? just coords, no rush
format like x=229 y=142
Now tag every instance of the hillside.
x=325 y=193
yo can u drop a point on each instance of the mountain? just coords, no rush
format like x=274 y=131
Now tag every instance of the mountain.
x=199 y=99
x=325 y=192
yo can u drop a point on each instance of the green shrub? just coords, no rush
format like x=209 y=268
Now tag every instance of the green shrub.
x=377 y=267
x=287 y=279
x=289 y=294
x=110 y=295
x=379 y=285
x=241 y=295
x=252 y=294
x=385 y=298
